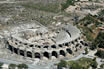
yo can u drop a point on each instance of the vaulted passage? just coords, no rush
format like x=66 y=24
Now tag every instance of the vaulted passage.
x=69 y=50
x=22 y=52
x=66 y=44
x=16 y=50
x=53 y=46
x=54 y=53
x=46 y=54
x=60 y=45
x=62 y=52
x=10 y=47
x=37 y=55
x=29 y=54
x=45 y=46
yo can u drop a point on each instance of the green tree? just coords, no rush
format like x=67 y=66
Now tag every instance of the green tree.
x=100 y=54
x=12 y=66
x=62 y=63
x=86 y=50
x=98 y=42
x=1 y=64
x=102 y=66
x=76 y=66
x=94 y=64
x=22 y=66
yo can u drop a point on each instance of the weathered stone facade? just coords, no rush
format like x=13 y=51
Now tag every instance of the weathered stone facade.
x=47 y=45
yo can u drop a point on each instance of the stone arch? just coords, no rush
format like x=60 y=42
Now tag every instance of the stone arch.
x=37 y=55
x=22 y=52
x=62 y=52
x=37 y=46
x=29 y=54
x=69 y=50
x=45 y=46
x=54 y=53
x=60 y=45
x=16 y=50
x=46 y=54
x=31 y=45
x=53 y=46
x=66 y=44
x=82 y=42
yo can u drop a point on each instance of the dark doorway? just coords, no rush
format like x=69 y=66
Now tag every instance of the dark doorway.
x=22 y=52
x=37 y=55
x=54 y=53
x=29 y=54
x=46 y=54
x=16 y=50
x=69 y=50
x=62 y=52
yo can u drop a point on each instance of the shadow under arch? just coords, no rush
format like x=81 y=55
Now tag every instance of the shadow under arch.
x=29 y=54
x=37 y=55
x=46 y=54
x=54 y=53
x=69 y=50
x=62 y=52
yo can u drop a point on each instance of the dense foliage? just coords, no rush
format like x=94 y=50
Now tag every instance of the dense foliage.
x=22 y=66
x=68 y=2
x=62 y=63
x=82 y=63
x=100 y=54
x=98 y=42
x=1 y=64
x=12 y=66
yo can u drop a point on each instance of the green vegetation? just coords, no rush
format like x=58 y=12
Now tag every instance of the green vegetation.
x=62 y=63
x=12 y=66
x=98 y=42
x=101 y=15
x=1 y=64
x=100 y=54
x=88 y=25
x=86 y=51
x=22 y=66
x=102 y=66
x=43 y=7
x=82 y=63
x=68 y=3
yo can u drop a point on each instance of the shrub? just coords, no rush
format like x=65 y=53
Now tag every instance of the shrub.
x=21 y=66
x=12 y=66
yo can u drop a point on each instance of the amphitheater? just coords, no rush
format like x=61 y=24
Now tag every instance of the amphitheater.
x=40 y=42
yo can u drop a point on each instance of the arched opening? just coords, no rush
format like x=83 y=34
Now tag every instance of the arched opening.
x=37 y=55
x=86 y=44
x=60 y=45
x=72 y=42
x=62 y=53
x=22 y=52
x=77 y=45
x=16 y=50
x=10 y=47
x=29 y=54
x=45 y=46
x=46 y=54
x=54 y=53
x=76 y=40
x=69 y=50
x=53 y=46
x=31 y=45
x=66 y=44
x=39 y=46
x=82 y=42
